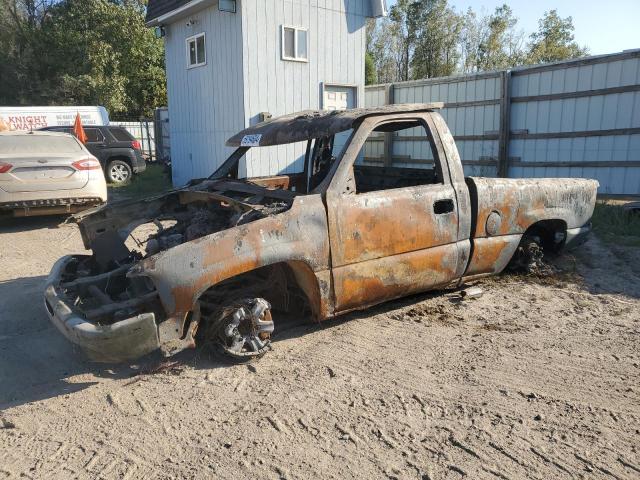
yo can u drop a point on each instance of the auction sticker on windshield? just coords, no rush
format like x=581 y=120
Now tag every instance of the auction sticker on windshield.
x=251 y=140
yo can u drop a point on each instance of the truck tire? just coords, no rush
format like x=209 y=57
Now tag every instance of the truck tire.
x=119 y=172
x=528 y=256
x=241 y=329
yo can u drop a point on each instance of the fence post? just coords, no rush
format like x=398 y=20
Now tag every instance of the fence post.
x=388 y=136
x=505 y=125
x=158 y=137
x=146 y=127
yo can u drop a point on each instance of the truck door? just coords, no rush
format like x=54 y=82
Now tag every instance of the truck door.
x=393 y=219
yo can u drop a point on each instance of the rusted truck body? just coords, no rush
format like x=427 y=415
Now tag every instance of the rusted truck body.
x=343 y=234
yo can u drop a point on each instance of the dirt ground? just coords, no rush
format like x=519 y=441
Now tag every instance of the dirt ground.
x=538 y=378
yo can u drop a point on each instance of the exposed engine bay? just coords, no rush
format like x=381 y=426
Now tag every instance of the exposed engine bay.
x=123 y=234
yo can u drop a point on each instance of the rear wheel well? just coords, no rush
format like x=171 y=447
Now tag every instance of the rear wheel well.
x=545 y=236
x=550 y=234
x=122 y=158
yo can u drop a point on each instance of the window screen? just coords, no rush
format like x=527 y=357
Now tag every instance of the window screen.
x=301 y=45
x=289 y=43
x=192 y=52
x=200 y=50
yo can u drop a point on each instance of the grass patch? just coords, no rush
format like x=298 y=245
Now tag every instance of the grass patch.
x=153 y=181
x=613 y=224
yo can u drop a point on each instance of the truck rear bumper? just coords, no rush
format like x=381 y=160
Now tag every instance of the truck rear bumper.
x=577 y=236
x=121 y=341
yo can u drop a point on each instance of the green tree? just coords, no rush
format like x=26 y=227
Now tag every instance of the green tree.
x=370 y=75
x=502 y=46
x=387 y=46
x=86 y=52
x=554 y=40
x=420 y=38
x=437 y=28
x=491 y=42
x=19 y=24
x=474 y=31
x=404 y=28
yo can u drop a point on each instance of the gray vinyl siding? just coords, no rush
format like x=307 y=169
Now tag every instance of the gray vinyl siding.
x=205 y=103
x=336 y=46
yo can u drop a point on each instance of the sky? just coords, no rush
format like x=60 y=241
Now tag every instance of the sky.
x=604 y=27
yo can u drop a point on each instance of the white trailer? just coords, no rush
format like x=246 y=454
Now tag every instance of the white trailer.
x=32 y=118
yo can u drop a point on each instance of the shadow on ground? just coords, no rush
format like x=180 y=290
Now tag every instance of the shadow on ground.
x=10 y=224
x=36 y=361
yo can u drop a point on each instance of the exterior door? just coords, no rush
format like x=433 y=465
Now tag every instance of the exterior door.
x=400 y=238
x=339 y=97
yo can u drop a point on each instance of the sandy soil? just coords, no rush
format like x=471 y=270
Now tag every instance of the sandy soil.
x=538 y=378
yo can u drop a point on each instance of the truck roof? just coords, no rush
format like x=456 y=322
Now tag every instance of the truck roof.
x=308 y=124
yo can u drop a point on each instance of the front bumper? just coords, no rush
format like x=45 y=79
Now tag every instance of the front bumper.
x=577 y=236
x=119 y=342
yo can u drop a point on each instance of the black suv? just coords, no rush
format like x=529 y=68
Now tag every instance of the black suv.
x=116 y=149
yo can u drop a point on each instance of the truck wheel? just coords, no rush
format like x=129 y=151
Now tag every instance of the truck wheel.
x=528 y=256
x=242 y=329
x=119 y=172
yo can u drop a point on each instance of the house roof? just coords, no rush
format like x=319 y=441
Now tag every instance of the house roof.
x=162 y=8
x=308 y=124
x=158 y=8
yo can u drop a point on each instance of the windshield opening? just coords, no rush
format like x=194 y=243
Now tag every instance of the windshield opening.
x=313 y=160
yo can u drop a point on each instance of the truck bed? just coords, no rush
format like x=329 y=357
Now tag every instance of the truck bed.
x=503 y=209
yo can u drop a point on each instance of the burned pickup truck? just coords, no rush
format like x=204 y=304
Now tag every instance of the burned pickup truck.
x=223 y=258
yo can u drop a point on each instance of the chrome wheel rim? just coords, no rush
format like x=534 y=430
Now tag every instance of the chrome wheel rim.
x=119 y=173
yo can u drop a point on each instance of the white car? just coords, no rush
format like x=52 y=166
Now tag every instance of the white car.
x=47 y=173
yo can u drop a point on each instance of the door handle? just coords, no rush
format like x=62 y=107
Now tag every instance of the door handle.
x=441 y=207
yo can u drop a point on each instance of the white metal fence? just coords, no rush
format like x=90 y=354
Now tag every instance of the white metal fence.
x=143 y=131
x=153 y=135
x=579 y=118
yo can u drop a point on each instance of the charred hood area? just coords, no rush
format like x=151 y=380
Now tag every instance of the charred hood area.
x=122 y=234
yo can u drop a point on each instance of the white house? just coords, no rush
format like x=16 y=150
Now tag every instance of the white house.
x=232 y=63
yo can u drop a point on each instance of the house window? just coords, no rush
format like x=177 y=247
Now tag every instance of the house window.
x=227 y=6
x=196 y=55
x=294 y=44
